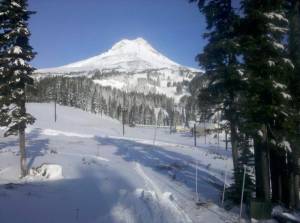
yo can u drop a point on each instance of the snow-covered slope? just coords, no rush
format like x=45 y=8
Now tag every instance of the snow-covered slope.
x=126 y=55
x=131 y=65
x=93 y=174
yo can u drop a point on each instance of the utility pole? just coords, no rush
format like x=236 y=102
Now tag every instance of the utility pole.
x=171 y=121
x=226 y=140
x=155 y=130
x=123 y=118
x=156 y=112
x=195 y=135
x=123 y=114
x=224 y=187
x=204 y=131
x=218 y=134
x=196 y=182
x=219 y=116
x=242 y=195
x=55 y=116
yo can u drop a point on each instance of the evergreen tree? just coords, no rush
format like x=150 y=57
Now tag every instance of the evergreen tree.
x=15 y=55
x=179 y=88
x=222 y=66
x=246 y=158
x=267 y=68
x=293 y=9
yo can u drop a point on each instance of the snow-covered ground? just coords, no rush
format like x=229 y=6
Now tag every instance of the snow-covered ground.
x=91 y=173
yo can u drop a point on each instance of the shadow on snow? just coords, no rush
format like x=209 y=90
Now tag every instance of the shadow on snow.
x=178 y=166
x=35 y=146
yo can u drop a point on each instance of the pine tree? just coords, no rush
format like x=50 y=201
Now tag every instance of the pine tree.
x=267 y=67
x=15 y=55
x=222 y=67
x=246 y=158
x=293 y=9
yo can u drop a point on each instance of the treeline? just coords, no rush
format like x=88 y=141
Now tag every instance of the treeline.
x=252 y=64
x=82 y=92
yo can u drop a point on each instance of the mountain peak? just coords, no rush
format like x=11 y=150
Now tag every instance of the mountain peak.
x=133 y=45
x=139 y=41
x=125 y=56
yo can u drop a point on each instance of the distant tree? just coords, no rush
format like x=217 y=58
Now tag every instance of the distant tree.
x=179 y=88
x=15 y=55
x=158 y=81
x=93 y=101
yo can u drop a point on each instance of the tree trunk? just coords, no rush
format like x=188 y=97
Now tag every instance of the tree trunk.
x=294 y=25
x=297 y=191
x=284 y=173
x=292 y=191
x=23 y=164
x=295 y=172
x=234 y=145
x=275 y=176
x=262 y=167
x=226 y=140
x=280 y=177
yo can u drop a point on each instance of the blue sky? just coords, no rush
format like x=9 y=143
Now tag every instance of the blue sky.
x=65 y=31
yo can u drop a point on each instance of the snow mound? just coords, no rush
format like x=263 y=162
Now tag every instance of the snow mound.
x=283 y=215
x=148 y=206
x=52 y=132
x=46 y=172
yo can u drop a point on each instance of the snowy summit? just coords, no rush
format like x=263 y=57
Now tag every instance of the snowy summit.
x=126 y=55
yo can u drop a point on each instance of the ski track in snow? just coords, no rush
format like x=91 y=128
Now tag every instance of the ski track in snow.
x=149 y=183
x=126 y=185
x=166 y=198
x=86 y=156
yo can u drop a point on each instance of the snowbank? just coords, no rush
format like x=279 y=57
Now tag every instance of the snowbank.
x=148 y=206
x=46 y=172
x=283 y=215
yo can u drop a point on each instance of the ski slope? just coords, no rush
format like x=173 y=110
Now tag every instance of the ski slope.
x=106 y=177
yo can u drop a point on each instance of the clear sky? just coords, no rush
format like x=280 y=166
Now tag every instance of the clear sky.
x=65 y=31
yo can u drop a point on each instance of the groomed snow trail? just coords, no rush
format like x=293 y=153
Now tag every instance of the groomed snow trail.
x=165 y=200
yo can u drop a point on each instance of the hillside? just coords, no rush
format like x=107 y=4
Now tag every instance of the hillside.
x=131 y=66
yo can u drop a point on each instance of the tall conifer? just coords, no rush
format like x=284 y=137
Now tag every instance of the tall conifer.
x=15 y=55
x=293 y=9
x=267 y=68
x=222 y=66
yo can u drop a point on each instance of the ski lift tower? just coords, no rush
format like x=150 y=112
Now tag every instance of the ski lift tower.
x=203 y=122
x=54 y=98
x=124 y=110
x=195 y=129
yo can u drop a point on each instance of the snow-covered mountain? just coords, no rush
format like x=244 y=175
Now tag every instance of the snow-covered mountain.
x=131 y=65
